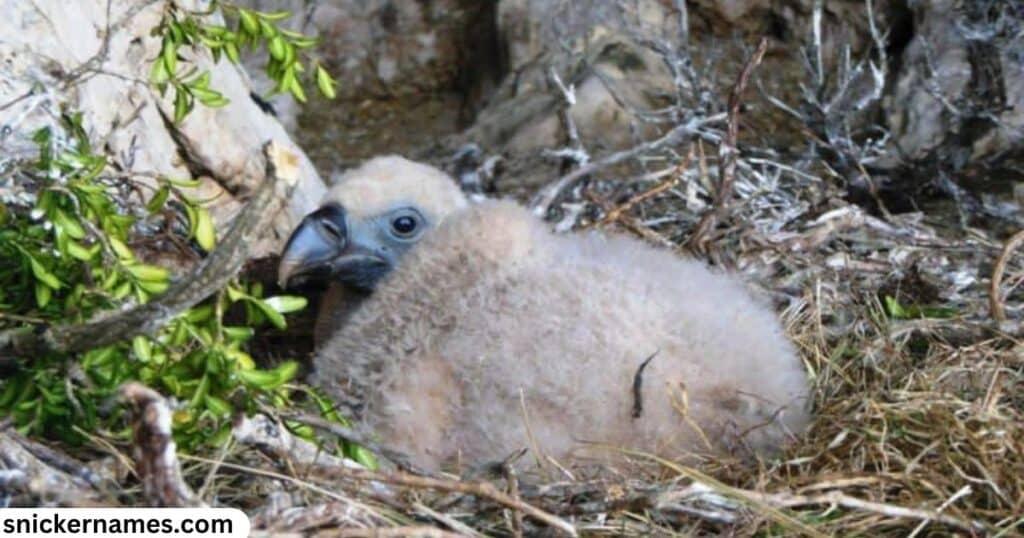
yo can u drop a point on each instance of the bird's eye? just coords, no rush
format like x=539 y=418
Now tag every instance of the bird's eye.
x=404 y=226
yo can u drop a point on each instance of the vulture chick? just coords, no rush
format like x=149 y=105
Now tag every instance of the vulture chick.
x=492 y=334
x=362 y=216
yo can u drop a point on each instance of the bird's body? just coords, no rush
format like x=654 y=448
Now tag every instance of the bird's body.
x=493 y=334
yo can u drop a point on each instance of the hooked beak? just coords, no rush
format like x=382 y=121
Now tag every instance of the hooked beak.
x=322 y=248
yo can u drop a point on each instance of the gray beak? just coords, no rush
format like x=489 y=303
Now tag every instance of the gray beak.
x=320 y=238
x=322 y=248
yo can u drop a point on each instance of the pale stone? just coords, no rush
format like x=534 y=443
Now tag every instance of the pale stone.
x=46 y=40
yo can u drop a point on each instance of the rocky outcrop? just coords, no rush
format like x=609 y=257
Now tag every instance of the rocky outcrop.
x=77 y=56
x=962 y=81
x=388 y=48
x=412 y=73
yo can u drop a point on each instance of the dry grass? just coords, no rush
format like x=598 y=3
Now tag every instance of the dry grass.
x=919 y=426
x=919 y=422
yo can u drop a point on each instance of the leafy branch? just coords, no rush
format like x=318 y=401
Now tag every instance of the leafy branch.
x=288 y=63
x=69 y=277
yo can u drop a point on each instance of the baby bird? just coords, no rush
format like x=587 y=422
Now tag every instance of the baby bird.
x=369 y=218
x=482 y=333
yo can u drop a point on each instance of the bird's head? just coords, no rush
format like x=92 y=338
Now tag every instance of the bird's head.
x=372 y=216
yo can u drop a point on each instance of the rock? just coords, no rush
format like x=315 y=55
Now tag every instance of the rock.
x=960 y=66
x=389 y=47
x=55 y=57
x=957 y=108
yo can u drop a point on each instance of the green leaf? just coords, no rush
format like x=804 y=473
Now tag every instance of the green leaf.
x=248 y=21
x=68 y=225
x=122 y=250
x=44 y=276
x=217 y=406
x=154 y=287
x=296 y=88
x=239 y=334
x=274 y=16
x=201 y=391
x=77 y=251
x=199 y=314
x=289 y=55
x=210 y=98
x=169 y=56
x=287 y=370
x=43 y=294
x=205 y=234
x=149 y=273
x=216 y=30
x=176 y=33
x=222 y=437
x=286 y=303
x=43 y=136
x=259 y=378
x=362 y=456
x=182 y=103
x=158 y=73
x=156 y=203
x=277 y=48
x=325 y=83
x=110 y=280
x=142 y=348
x=201 y=82
x=242 y=359
x=9 y=395
x=894 y=308
x=186 y=183
x=122 y=290
x=303 y=42
x=217 y=102
x=267 y=30
x=213 y=43
x=235 y=294
x=273 y=316
x=270 y=379
x=232 y=52
x=304 y=431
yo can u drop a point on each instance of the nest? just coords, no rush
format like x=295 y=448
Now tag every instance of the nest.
x=909 y=327
x=909 y=330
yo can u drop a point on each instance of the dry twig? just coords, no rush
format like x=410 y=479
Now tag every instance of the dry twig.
x=352 y=436
x=728 y=153
x=154 y=450
x=483 y=490
x=996 y=303
x=546 y=197
x=394 y=532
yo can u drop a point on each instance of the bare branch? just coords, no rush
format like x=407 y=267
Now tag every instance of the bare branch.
x=996 y=302
x=544 y=200
x=156 y=458
x=350 y=435
x=483 y=490
x=728 y=153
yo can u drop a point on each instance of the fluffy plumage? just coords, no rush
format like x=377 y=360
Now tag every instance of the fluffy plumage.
x=492 y=334
x=383 y=183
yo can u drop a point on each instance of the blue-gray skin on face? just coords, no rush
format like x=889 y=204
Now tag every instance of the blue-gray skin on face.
x=331 y=245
